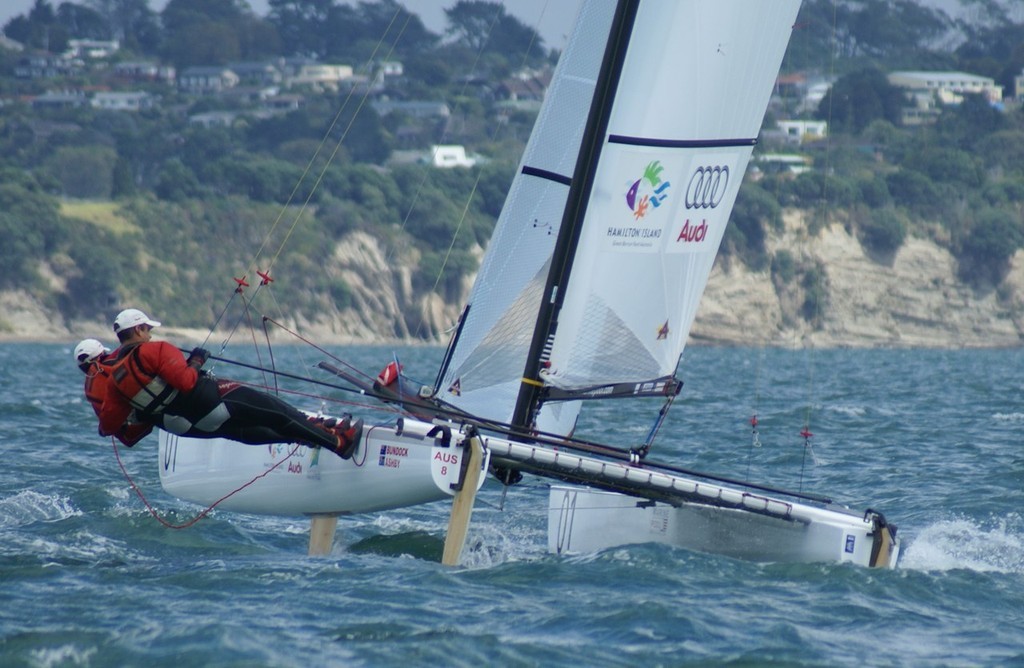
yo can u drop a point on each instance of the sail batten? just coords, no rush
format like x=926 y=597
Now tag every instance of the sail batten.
x=545 y=174
x=680 y=143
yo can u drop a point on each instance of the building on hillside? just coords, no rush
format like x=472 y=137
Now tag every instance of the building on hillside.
x=257 y=73
x=282 y=104
x=930 y=91
x=123 y=101
x=447 y=156
x=1018 y=87
x=780 y=163
x=91 y=49
x=45 y=66
x=143 y=70
x=524 y=91
x=9 y=44
x=214 y=119
x=207 y=79
x=319 y=76
x=800 y=131
x=414 y=109
x=791 y=86
x=64 y=99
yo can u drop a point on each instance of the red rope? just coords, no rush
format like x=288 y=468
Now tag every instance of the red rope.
x=206 y=511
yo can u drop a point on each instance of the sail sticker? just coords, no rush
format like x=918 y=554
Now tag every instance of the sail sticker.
x=391 y=456
x=711 y=185
x=456 y=388
x=642 y=201
x=647 y=191
x=663 y=332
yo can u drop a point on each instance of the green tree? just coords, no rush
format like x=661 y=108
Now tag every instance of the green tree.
x=214 y=32
x=177 y=182
x=39 y=29
x=883 y=230
x=485 y=28
x=985 y=247
x=21 y=250
x=914 y=191
x=84 y=171
x=754 y=211
x=132 y=22
x=858 y=99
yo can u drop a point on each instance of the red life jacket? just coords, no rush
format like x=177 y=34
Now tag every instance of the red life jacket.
x=147 y=392
x=96 y=380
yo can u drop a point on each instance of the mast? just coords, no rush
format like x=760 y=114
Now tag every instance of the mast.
x=572 y=219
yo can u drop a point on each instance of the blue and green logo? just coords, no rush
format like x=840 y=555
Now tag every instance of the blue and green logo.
x=647 y=191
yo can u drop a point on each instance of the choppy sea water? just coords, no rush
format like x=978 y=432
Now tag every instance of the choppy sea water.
x=931 y=438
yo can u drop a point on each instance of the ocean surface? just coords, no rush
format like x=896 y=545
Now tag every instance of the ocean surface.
x=931 y=438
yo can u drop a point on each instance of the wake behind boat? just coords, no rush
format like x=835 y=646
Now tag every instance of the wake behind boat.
x=587 y=292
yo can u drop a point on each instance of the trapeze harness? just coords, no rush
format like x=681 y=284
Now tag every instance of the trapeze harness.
x=154 y=400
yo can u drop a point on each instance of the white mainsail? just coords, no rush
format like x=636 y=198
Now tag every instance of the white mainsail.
x=692 y=90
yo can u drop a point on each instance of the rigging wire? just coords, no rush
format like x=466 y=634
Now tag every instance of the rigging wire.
x=303 y=178
x=818 y=276
x=494 y=134
x=206 y=511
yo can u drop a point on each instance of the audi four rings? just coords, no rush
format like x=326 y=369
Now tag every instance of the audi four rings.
x=707 y=187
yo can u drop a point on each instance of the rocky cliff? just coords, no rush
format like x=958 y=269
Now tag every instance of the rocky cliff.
x=912 y=299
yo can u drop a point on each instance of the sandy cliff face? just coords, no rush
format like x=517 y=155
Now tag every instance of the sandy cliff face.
x=914 y=300
x=911 y=300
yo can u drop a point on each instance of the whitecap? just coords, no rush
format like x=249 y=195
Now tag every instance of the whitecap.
x=1009 y=417
x=65 y=655
x=28 y=507
x=852 y=411
x=967 y=544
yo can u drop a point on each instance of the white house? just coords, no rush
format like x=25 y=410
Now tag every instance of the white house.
x=91 y=48
x=320 y=76
x=799 y=131
x=123 y=101
x=928 y=91
x=207 y=79
x=450 y=155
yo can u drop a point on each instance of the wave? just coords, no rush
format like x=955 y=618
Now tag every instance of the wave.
x=1009 y=417
x=969 y=545
x=28 y=507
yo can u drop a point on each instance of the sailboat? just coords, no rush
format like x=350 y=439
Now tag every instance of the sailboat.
x=587 y=293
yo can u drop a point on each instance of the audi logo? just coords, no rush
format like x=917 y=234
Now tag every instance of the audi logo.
x=707 y=187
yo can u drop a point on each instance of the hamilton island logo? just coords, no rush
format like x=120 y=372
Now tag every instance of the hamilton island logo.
x=647 y=191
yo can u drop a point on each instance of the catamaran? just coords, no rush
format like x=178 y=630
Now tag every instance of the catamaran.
x=587 y=293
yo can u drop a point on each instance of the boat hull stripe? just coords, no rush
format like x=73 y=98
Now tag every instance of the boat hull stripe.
x=680 y=143
x=545 y=174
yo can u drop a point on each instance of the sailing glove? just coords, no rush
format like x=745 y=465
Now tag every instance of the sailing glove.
x=198 y=357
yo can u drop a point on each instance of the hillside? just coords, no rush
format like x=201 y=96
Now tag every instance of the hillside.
x=914 y=300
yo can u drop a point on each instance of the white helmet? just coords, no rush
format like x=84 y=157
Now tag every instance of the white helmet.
x=88 y=350
x=132 y=317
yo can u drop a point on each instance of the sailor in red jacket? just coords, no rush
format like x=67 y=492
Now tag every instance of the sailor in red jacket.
x=154 y=381
x=90 y=356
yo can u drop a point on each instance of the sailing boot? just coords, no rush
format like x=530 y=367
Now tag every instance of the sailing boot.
x=320 y=421
x=348 y=434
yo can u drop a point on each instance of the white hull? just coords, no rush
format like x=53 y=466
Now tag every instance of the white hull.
x=389 y=470
x=586 y=520
x=399 y=466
